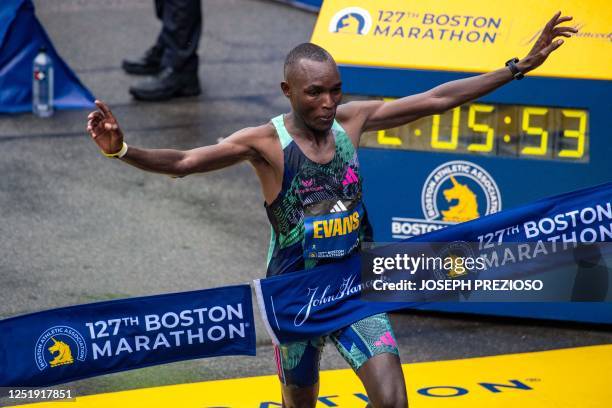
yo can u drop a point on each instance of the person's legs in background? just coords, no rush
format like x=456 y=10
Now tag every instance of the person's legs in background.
x=174 y=57
x=180 y=35
x=150 y=62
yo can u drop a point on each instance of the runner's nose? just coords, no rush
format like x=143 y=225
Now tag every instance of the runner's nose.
x=328 y=101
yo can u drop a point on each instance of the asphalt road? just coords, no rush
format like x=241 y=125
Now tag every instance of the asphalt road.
x=76 y=227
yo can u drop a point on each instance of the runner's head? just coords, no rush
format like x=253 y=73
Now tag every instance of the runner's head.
x=312 y=84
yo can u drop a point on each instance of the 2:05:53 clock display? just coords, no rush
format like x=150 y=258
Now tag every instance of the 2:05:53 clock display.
x=534 y=132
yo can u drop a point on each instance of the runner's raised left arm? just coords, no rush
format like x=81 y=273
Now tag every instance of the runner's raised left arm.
x=377 y=115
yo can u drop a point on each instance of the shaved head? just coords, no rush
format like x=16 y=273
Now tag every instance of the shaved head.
x=307 y=51
x=313 y=86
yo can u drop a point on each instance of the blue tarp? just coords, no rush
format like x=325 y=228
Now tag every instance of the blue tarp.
x=312 y=5
x=21 y=35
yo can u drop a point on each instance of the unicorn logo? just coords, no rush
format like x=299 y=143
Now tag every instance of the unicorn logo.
x=455 y=271
x=467 y=206
x=351 y=20
x=64 y=345
x=459 y=191
x=456 y=252
x=350 y=24
x=63 y=356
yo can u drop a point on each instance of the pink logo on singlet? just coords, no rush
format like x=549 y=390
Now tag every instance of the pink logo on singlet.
x=309 y=187
x=307 y=183
x=386 y=339
x=349 y=177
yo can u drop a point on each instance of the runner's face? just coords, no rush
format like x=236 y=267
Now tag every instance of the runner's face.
x=315 y=90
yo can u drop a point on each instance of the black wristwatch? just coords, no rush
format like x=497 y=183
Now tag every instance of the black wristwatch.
x=516 y=73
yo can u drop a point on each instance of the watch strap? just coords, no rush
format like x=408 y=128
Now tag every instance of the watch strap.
x=516 y=73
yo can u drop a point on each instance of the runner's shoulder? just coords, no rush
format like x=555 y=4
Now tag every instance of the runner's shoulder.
x=261 y=138
x=351 y=116
x=355 y=110
x=255 y=134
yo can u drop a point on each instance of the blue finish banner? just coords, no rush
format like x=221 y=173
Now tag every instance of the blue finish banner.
x=580 y=216
x=61 y=345
x=310 y=303
x=307 y=304
x=21 y=36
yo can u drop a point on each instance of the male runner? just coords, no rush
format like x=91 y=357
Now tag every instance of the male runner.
x=307 y=164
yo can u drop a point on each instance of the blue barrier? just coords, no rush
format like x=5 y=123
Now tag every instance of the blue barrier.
x=21 y=36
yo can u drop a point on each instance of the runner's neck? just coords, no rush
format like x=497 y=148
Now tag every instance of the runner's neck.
x=299 y=129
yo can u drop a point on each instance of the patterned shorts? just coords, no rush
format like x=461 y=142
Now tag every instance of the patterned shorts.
x=298 y=362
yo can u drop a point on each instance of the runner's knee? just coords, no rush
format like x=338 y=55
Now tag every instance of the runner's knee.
x=302 y=404
x=294 y=397
x=390 y=399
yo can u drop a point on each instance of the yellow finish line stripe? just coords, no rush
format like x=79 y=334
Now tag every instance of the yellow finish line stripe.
x=576 y=377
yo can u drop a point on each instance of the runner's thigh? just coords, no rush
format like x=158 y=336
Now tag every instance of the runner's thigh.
x=298 y=370
x=370 y=348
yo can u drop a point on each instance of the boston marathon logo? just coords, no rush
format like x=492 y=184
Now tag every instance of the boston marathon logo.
x=454 y=192
x=62 y=345
x=351 y=20
x=413 y=25
x=59 y=346
x=182 y=329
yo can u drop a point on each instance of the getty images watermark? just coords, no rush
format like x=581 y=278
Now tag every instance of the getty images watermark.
x=451 y=266
x=477 y=272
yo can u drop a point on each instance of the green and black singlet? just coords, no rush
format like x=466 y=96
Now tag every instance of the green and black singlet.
x=318 y=216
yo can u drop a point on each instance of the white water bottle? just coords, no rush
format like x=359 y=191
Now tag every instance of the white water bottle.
x=42 y=84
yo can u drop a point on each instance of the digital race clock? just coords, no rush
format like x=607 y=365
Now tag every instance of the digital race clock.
x=526 y=132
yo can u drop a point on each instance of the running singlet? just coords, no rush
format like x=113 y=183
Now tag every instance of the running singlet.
x=318 y=216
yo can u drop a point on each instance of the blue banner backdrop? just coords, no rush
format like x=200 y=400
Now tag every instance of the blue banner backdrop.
x=61 y=345
x=310 y=303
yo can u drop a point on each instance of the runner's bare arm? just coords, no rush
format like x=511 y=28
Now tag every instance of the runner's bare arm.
x=103 y=128
x=377 y=115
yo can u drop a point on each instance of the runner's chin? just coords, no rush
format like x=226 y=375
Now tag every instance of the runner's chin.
x=324 y=123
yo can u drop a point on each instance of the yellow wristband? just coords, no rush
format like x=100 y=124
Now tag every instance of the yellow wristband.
x=118 y=154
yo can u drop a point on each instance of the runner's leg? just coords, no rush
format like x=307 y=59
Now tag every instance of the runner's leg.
x=300 y=397
x=369 y=346
x=298 y=370
x=383 y=379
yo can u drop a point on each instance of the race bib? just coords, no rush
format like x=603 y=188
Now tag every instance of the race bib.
x=332 y=228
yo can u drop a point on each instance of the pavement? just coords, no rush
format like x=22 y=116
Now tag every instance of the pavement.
x=76 y=227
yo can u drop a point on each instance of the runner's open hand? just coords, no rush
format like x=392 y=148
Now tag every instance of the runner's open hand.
x=103 y=128
x=547 y=42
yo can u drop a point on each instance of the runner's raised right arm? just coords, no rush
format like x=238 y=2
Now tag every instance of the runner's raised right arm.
x=103 y=128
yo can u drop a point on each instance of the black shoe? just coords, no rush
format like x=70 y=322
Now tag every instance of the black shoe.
x=168 y=84
x=148 y=64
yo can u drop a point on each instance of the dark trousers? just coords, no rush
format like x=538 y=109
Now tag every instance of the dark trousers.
x=180 y=35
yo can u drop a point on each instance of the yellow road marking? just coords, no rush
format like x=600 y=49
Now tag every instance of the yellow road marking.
x=576 y=377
